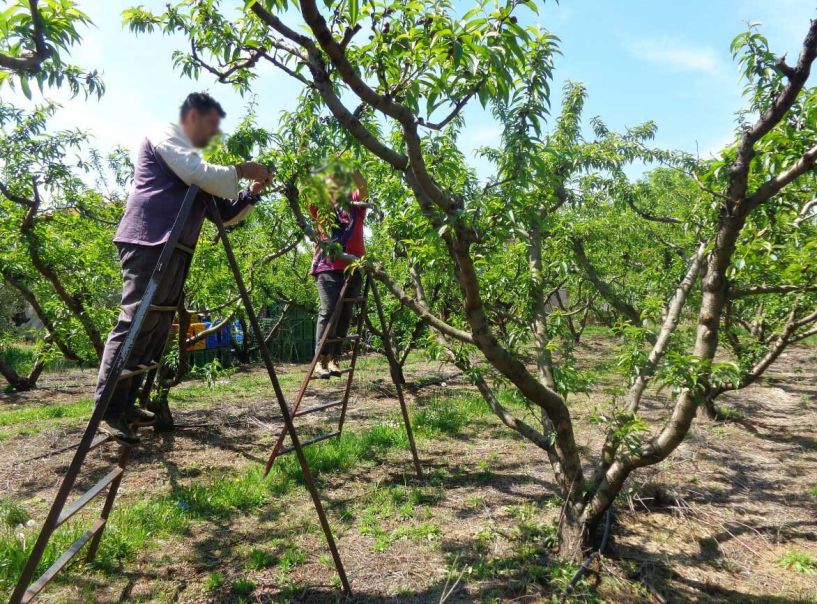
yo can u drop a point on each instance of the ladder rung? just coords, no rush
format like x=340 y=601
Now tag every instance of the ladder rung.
x=355 y=300
x=129 y=373
x=341 y=372
x=89 y=495
x=311 y=441
x=158 y=308
x=317 y=408
x=182 y=247
x=353 y=338
x=99 y=440
x=62 y=561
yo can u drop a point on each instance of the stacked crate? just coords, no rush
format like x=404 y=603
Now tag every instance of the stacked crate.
x=295 y=340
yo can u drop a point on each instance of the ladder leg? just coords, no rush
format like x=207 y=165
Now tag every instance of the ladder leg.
x=124 y=456
x=360 y=327
x=395 y=377
x=279 y=394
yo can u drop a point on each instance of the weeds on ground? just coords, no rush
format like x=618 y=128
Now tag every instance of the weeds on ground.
x=213 y=581
x=243 y=586
x=12 y=513
x=260 y=559
x=800 y=562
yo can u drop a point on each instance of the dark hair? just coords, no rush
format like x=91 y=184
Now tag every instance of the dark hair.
x=202 y=102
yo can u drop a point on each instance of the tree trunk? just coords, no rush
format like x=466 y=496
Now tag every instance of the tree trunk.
x=17 y=382
x=575 y=535
x=28 y=296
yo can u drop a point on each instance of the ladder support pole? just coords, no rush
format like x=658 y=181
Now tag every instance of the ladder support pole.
x=279 y=394
x=395 y=377
x=360 y=324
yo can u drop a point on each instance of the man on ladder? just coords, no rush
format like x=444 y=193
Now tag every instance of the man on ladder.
x=168 y=162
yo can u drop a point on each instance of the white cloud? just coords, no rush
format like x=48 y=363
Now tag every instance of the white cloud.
x=678 y=56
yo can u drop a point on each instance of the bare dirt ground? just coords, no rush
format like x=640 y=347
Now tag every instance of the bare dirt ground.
x=710 y=524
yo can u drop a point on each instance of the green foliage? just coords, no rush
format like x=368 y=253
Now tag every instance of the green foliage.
x=212 y=373
x=60 y=22
x=12 y=513
x=260 y=559
x=243 y=586
x=213 y=581
x=799 y=562
x=291 y=557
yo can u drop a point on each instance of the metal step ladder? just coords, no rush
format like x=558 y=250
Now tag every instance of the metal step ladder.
x=25 y=591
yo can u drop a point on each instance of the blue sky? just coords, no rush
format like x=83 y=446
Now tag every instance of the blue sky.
x=661 y=60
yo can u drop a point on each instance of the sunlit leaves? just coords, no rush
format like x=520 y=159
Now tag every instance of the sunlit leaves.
x=61 y=20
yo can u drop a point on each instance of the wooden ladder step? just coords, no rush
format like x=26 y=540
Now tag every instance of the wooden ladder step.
x=183 y=248
x=62 y=561
x=129 y=373
x=355 y=300
x=160 y=308
x=311 y=441
x=317 y=408
x=89 y=495
x=352 y=338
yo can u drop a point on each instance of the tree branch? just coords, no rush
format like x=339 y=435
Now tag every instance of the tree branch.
x=33 y=61
x=604 y=288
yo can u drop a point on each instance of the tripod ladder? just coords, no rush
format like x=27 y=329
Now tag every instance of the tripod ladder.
x=330 y=337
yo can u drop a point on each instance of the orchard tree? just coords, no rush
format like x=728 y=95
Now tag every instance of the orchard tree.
x=35 y=36
x=396 y=77
x=57 y=230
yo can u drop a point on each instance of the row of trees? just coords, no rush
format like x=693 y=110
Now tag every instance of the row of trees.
x=704 y=267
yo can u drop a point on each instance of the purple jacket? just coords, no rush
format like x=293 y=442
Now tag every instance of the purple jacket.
x=155 y=200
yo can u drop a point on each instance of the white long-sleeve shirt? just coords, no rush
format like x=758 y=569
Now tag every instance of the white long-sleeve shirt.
x=173 y=146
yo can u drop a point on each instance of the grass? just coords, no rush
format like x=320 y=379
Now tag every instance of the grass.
x=243 y=586
x=12 y=513
x=21 y=358
x=290 y=558
x=33 y=420
x=142 y=525
x=800 y=562
x=213 y=581
x=259 y=559
x=813 y=491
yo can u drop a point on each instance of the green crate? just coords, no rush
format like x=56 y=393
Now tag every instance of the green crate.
x=199 y=358
x=295 y=341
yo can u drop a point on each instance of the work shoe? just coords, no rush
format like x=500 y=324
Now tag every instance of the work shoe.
x=118 y=428
x=322 y=370
x=334 y=368
x=138 y=417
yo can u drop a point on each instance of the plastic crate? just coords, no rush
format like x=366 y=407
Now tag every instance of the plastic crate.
x=295 y=340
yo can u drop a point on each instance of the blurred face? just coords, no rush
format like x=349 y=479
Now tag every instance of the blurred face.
x=331 y=186
x=201 y=127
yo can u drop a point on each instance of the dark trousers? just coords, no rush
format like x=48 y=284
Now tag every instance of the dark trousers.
x=138 y=262
x=329 y=286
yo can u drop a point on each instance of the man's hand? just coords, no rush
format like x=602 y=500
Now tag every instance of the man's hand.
x=258 y=186
x=253 y=171
x=360 y=183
